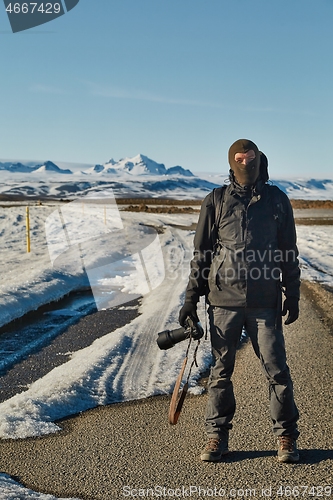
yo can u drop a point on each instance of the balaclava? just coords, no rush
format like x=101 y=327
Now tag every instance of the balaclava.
x=246 y=175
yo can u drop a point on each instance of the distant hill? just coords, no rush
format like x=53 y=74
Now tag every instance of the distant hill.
x=16 y=167
x=49 y=166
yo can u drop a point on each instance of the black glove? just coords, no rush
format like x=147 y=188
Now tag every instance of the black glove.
x=188 y=309
x=291 y=306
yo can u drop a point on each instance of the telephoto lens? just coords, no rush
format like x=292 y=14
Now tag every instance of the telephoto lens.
x=169 y=338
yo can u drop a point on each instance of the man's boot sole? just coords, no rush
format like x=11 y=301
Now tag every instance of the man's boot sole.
x=208 y=458
x=288 y=459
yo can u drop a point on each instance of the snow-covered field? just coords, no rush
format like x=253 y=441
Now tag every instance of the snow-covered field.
x=127 y=363
x=138 y=368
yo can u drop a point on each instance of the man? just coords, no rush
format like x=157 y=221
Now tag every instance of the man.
x=240 y=266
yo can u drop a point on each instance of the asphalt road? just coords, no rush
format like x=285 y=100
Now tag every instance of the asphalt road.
x=130 y=451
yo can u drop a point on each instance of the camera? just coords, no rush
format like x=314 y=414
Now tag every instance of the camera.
x=169 y=338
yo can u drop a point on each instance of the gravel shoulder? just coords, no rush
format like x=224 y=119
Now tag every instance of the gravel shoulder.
x=114 y=451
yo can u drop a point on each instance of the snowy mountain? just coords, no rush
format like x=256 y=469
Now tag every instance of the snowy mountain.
x=305 y=185
x=16 y=167
x=97 y=169
x=49 y=166
x=296 y=188
x=138 y=165
x=179 y=171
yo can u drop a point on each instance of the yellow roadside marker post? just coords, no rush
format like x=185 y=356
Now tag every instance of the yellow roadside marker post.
x=28 y=229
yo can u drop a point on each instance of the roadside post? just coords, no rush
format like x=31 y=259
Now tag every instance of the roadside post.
x=28 y=229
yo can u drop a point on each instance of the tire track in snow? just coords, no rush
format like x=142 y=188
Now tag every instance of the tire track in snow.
x=136 y=376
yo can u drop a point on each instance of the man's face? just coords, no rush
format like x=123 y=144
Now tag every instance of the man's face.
x=244 y=161
x=246 y=167
x=245 y=158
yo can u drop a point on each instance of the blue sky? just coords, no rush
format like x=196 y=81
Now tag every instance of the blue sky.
x=176 y=80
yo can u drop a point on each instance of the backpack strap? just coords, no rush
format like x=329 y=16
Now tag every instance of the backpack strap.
x=218 y=199
x=277 y=204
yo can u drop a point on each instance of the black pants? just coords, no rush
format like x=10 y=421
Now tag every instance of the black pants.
x=268 y=343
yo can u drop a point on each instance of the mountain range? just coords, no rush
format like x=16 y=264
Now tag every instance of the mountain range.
x=139 y=176
x=138 y=165
x=48 y=166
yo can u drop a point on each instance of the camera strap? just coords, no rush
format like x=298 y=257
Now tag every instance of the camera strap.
x=206 y=327
x=178 y=396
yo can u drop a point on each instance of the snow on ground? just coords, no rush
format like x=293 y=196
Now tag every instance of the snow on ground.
x=10 y=490
x=127 y=363
x=138 y=368
x=28 y=279
x=316 y=253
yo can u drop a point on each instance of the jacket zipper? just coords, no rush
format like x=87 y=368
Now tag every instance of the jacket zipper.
x=253 y=200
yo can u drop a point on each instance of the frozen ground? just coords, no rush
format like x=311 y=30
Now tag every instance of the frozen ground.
x=10 y=490
x=126 y=364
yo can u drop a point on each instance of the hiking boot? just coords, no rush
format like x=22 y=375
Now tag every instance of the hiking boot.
x=287 y=449
x=214 y=450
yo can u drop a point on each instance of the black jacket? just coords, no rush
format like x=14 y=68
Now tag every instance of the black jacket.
x=252 y=253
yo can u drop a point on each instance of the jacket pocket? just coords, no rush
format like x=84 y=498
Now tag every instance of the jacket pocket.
x=216 y=265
